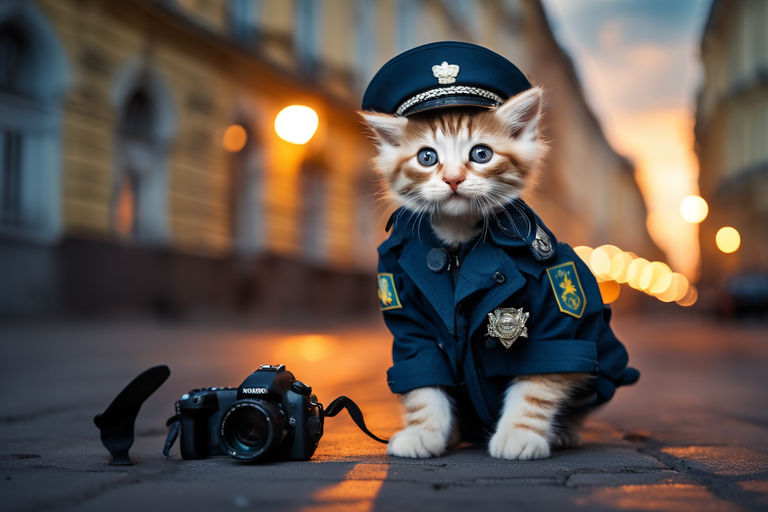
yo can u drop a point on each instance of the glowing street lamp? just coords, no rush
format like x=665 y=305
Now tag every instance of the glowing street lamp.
x=728 y=239
x=694 y=209
x=234 y=138
x=296 y=124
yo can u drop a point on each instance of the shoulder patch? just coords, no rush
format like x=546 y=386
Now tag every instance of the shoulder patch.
x=388 y=298
x=567 y=287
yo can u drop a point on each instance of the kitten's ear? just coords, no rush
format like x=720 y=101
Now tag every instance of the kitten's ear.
x=521 y=114
x=388 y=129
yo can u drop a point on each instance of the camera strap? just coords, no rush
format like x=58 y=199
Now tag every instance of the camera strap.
x=174 y=424
x=355 y=413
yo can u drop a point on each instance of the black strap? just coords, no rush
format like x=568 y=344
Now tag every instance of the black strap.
x=355 y=413
x=173 y=432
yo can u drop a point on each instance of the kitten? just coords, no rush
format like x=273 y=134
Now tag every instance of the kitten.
x=460 y=168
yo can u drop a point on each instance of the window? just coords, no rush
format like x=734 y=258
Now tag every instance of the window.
x=307 y=32
x=145 y=127
x=32 y=80
x=247 y=194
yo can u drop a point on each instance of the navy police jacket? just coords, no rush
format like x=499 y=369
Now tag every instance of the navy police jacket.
x=437 y=304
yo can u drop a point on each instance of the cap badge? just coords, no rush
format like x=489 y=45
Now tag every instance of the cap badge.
x=445 y=73
x=508 y=324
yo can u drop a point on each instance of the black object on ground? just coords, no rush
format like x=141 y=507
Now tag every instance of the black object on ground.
x=116 y=423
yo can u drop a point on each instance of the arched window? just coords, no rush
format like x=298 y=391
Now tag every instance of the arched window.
x=246 y=201
x=32 y=81
x=146 y=123
x=13 y=46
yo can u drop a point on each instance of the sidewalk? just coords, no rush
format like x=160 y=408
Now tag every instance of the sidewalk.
x=692 y=435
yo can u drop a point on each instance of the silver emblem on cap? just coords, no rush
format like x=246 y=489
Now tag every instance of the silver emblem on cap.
x=445 y=73
x=508 y=324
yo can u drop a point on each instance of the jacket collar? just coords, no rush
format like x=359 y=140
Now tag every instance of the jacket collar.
x=482 y=264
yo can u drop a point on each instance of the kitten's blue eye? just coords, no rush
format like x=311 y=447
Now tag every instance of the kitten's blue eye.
x=480 y=154
x=427 y=157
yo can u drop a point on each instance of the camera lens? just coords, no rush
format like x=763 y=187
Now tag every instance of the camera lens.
x=250 y=429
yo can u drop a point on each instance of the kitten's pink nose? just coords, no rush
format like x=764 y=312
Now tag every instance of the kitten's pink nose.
x=453 y=182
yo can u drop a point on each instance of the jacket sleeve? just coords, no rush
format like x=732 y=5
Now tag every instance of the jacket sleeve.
x=418 y=358
x=612 y=359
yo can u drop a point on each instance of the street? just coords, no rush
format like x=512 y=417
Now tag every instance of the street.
x=691 y=435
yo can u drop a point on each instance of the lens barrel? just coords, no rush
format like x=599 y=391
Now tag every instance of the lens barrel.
x=251 y=429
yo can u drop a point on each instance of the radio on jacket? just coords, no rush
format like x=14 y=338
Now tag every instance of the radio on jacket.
x=271 y=415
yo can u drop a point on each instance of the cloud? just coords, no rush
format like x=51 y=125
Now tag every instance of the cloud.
x=664 y=22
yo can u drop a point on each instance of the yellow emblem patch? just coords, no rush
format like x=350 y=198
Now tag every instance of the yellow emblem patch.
x=388 y=298
x=567 y=287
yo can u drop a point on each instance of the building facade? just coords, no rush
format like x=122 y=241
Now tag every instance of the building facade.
x=118 y=190
x=732 y=137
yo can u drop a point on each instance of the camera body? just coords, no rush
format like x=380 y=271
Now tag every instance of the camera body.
x=271 y=415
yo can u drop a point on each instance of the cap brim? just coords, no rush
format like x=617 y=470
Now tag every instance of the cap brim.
x=449 y=102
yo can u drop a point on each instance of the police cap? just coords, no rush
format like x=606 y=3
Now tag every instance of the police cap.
x=443 y=74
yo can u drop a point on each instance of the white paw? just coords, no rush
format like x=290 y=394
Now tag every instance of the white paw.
x=416 y=443
x=518 y=444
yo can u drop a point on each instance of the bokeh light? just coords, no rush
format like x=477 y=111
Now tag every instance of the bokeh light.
x=583 y=252
x=728 y=239
x=690 y=298
x=609 y=290
x=234 y=138
x=694 y=209
x=612 y=267
x=635 y=270
x=620 y=265
x=600 y=260
x=296 y=124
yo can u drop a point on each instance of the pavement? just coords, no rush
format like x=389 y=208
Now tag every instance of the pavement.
x=692 y=435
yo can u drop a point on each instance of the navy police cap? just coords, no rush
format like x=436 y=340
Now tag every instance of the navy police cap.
x=443 y=74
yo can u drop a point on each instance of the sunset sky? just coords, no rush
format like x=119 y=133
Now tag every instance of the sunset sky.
x=638 y=61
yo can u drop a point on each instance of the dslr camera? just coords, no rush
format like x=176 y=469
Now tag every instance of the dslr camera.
x=271 y=415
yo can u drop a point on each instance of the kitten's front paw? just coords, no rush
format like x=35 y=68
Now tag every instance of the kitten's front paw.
x=416 y=443
x=518 y=444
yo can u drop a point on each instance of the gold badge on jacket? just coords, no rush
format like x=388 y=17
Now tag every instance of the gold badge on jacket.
x=508 y=324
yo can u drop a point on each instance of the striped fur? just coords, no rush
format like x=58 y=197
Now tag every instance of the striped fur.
x=511 y=131
x=457 y=194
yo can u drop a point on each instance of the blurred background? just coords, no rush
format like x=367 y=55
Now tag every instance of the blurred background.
x=195 y=157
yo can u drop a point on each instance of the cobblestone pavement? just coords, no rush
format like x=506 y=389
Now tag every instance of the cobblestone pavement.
x=691 y=435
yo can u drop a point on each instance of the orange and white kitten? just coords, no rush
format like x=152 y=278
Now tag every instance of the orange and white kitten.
x=462 y=166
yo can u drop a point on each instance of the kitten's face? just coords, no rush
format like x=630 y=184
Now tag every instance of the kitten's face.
x=457 y=161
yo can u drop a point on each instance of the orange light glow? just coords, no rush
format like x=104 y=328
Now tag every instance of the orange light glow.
x=296 y=124
x=690 y=298
x=694 y=209
x=356 y=493
x=311 y=347
x=125 y=209
x=234 y=138
x=728 y=239
x=677 y=289
x=609 y=291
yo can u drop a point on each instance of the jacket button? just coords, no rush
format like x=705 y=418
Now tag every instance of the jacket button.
x=499 y=277
x=437 y=259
